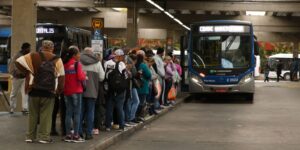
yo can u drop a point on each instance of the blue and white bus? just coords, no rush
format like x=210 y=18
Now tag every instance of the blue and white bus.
x=221 y=57
x=5 y=33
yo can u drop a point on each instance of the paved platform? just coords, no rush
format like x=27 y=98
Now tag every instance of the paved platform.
x=13 y=129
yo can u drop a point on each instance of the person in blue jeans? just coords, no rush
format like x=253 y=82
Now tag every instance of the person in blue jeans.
x=73 y=93
x=95 y=74
x=116 y=99
x=143 y=91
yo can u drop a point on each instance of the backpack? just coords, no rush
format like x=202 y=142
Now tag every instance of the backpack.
x=45 y=78
x=117 y=82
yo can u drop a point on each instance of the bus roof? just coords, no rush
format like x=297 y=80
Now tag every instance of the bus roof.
x=282 y=55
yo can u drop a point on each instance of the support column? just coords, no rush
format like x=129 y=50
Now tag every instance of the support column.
x=24 y=16
x=170 y=41
x=132 y=27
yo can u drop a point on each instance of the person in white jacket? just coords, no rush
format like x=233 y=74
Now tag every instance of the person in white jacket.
x=160 y=71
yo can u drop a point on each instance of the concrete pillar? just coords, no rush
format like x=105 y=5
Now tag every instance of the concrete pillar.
x=170 y=40
x=132 y=28
x=24 y=16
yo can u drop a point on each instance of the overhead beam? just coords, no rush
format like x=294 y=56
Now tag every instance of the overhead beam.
x=66 y=3
x=235 y=6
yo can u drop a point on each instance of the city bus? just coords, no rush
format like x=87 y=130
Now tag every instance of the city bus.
x=222 y=57
x=286 y=60
x=62 y=36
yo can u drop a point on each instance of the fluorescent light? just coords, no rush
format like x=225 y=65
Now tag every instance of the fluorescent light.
x=168 y=14
x=178 y=21
x=120 y=9
x=154 y=4
x=255 y=13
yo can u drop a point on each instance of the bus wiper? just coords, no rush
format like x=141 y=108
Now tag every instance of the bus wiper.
x=230 y=43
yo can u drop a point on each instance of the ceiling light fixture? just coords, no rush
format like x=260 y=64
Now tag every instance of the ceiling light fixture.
x=255 y=13
x=168 y=14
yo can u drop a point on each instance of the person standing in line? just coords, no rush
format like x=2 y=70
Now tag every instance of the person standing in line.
x=116 y=97
x=143 y=91
x=95 y=74
x=158 y=58
x=45 y=78
x=266 y=71
x=168 y=78
x=279 y=70
x=18 y=81
x=73 y=94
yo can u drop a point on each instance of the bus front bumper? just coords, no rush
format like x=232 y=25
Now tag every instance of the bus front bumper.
x=196 y=86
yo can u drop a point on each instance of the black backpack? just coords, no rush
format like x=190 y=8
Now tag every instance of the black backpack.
x=45 y=77
x=117 y=82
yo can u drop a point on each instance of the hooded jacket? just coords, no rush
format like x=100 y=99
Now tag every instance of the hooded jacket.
x=95 y=74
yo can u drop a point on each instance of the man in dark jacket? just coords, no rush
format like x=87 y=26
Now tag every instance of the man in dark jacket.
x=279 y=70
x=95 y=74
x=18 y=81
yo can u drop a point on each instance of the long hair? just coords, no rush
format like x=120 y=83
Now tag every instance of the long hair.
x=69 y=53
x=140 y=59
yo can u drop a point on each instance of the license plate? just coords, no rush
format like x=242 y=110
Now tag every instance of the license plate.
x=221 y=90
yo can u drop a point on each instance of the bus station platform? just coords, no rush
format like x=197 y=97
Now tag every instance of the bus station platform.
x=13 y=129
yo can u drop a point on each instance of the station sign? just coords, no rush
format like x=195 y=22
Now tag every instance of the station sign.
x=224 y=29
x=97 y=23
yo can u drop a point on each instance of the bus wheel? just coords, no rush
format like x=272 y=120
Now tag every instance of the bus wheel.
x=250 y=97
x=287 y=76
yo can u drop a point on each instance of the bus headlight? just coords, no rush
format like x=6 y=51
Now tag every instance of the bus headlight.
x=197 y=81
x=247 y=78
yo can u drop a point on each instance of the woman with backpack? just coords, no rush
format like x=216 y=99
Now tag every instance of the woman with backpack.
x=143 y=91
x=73 y=93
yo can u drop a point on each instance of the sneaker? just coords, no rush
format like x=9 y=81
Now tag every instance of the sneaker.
x=132 y=124
x=107 y=129
x=88 y=137
x=78 y=139
x=128 y=125
x=115 y=126
x=46 y=141
x=95 y=131
x=68 y=138
x=11 y=111
x=122 y=129
x=29 y=141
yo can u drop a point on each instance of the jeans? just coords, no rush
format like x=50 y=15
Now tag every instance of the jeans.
x=87 y=115
x=133 y=104
x=116 y=101
x=73 y=110
x=142 y=105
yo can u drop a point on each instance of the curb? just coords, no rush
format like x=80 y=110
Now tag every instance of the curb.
x=122 y=135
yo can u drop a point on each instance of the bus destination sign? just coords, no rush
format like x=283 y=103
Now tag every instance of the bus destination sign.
x=224 y=29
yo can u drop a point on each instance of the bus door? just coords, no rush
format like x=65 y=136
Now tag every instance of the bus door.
x=184 y=64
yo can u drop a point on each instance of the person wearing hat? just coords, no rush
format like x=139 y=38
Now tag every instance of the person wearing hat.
x=158 y=58
x=116 y=100
x=18 y=81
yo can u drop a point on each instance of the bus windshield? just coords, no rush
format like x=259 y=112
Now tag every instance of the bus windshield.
x=221 y=51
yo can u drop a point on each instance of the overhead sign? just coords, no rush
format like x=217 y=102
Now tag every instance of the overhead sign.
x=224 y=29
x=98 y=23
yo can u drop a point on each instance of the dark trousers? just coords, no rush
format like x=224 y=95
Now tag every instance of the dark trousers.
x=167 y=89
x=99 y=120
x=279 y=76
x=59 y=105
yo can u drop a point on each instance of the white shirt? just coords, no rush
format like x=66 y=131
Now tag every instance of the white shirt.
x=111 y=65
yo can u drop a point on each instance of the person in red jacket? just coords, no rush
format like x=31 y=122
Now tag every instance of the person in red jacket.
x=74 y=76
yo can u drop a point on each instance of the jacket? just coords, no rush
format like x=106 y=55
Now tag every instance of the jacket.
x=160 y=66
x=95 y=74
x=30 y=63
x=74 y=78
x=146 y=77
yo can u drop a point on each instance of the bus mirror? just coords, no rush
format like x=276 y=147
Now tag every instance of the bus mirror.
x=256 y=48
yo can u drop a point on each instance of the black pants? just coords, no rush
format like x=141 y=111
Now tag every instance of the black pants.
x=59 y=105
x=99 y=119
x=279 y=76
x=167 y=89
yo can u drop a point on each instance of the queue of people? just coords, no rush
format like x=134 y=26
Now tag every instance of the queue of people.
x=92 y=93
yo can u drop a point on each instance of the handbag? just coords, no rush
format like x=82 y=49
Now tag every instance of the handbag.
x=138 y=83
x=172 y=93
